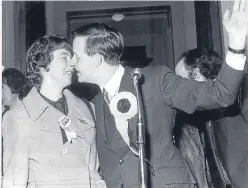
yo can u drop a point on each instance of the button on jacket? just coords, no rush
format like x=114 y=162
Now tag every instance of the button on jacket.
x=34 y=153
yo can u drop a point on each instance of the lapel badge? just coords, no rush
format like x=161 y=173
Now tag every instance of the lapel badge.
x=82 y=121
x=65 y=124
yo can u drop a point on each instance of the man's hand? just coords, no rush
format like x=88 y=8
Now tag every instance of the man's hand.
x=237 y=25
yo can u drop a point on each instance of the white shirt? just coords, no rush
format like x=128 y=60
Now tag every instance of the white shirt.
x=236 y=61
x=112 y=87
x=113 y=84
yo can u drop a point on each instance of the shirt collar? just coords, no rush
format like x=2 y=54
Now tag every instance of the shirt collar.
x=60 y=104
x=113 y=84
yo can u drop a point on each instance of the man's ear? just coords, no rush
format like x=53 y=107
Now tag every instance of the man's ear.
x=192 y=75
x=98 y=59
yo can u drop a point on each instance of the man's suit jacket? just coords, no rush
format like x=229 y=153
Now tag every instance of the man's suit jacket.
x=231 y=135
x=162 y=93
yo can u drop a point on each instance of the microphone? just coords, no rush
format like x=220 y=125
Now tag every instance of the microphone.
x=141 y=128
x=136 y=73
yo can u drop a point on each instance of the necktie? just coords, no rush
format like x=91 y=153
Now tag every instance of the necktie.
x=106 y=96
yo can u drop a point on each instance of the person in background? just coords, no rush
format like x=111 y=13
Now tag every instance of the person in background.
x=98 y=48
x=15 y=87
x=193 y=134
x=50 y=139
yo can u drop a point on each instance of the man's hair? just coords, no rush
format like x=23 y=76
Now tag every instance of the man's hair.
x=16 y=81
x=40 y=55
x=102 y=39
x=208 y=61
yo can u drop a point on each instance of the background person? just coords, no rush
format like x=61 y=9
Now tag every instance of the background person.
x=15 y=87
x=194 y=133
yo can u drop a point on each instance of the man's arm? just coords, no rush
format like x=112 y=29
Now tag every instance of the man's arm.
x=190 y=96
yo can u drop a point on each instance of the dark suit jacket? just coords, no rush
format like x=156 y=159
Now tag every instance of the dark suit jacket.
x=231 y=135
x=163 y=91
x=194 y=136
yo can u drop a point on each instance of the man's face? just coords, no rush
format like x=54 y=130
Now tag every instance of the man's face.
x=61 y=68
x=86 y=65
x=181 y=69
x=185 y=73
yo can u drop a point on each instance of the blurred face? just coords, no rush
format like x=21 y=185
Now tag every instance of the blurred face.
x=61 y=67
x=185 y=73
x=8 y=99
x=86 y=66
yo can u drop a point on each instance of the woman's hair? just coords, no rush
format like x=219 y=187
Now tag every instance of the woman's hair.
x=16 y=81
x=208 y=61
x=40 y=55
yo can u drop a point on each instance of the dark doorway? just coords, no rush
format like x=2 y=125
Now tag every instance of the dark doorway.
x=35 y=21
x=208 y=25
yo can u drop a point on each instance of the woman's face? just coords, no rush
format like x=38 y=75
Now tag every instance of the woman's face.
x=7 y=97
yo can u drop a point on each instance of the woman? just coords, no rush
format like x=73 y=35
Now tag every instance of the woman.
x=49 y=141
x=15 y=87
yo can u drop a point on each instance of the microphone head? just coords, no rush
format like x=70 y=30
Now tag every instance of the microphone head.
x=136 y=73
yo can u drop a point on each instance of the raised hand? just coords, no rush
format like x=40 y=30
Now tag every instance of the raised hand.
x=236 y=25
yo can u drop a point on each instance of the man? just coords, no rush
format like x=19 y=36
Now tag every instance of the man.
x=98 y=49
x=49 y=140
x=230 y=125
x=193 y=133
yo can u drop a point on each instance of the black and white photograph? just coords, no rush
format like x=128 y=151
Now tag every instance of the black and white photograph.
x=124 y=94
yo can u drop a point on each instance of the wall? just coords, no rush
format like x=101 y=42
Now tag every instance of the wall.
x=8 y=42
x=14 y=35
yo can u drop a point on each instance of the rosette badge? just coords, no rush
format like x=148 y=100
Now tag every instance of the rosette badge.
x=124 y=105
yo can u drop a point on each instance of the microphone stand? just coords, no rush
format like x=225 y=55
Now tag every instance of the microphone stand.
x=141 y=133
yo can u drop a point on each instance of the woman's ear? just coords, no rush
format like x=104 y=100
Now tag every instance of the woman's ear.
x=43 y=71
